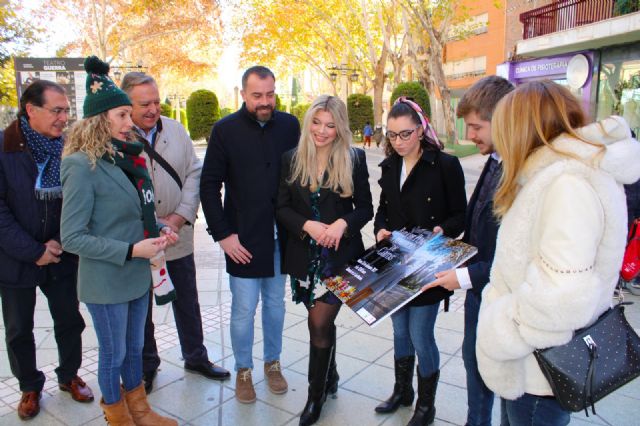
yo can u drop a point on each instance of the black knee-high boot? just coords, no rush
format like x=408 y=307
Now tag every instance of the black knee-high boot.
x=425 y=412
x=332 y=376
x=319 y=361
x=403 y=388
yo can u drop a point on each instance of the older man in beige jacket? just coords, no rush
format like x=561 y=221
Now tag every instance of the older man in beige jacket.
x=175 y=172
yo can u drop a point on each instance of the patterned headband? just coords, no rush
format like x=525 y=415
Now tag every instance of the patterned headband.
x=426 y=125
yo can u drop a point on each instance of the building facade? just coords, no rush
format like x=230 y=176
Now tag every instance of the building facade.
x=477 y=52
x=590 y=46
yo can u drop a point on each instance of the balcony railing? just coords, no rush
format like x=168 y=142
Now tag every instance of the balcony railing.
x=566 y=14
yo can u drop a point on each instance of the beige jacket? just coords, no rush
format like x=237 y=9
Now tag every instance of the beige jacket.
x=175 y=146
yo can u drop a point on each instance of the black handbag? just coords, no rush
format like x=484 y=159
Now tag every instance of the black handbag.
x=598 y=360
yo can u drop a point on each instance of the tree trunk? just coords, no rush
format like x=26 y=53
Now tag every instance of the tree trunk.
x=378 y=86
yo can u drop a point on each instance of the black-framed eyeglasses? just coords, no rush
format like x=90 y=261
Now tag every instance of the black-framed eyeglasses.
x=404 y=135
x=56 y=111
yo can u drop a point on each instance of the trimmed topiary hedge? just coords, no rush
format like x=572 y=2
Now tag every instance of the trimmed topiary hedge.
x=166 y=110
x=225 y=111
x=415 y=91
x=203 y=111
x=299 y=110
x=360 y=110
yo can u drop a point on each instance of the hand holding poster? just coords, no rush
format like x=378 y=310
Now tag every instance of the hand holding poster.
x=390 y=274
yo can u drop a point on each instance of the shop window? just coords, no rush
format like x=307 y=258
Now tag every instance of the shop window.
x=619 y=85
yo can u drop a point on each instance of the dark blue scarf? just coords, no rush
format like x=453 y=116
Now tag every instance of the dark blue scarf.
x=46 y=153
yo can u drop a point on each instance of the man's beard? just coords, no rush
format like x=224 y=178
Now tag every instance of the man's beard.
x=262 y=110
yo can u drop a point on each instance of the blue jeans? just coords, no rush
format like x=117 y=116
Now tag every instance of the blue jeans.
x=532 y=410
x=479 y=397
x=120 y=331
x=413 y=328
x=245 y=293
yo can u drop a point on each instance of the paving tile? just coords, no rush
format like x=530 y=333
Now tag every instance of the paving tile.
x=221 y=336
x=615 y=409
x=42 y=419
x=293 y=351
x=60 y=404
x=452 y=372
x=383 y=329
x=342 y=410
x=363 y=346
x=189 y=396
x=46 y=356
x=451 y=321
x=298 y=331
x=449 y=341
x=293 y=401
x=374 y=381
x=5 y=369
x=234 y=413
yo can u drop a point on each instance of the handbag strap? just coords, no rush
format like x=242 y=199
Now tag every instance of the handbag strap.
x=154 y=156
x=591 y=373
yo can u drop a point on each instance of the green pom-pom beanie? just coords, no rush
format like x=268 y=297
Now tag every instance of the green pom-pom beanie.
x=102 y=93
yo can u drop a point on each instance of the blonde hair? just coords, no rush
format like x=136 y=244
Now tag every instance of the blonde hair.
x=339 y=167
x=526 y=119
x=92 y=136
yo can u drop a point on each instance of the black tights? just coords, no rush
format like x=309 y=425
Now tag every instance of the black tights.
x=321 y=323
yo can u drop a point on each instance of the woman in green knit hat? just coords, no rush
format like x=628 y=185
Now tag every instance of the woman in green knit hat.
x=108 y=220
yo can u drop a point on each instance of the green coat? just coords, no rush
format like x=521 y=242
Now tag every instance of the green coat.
x=101 y=216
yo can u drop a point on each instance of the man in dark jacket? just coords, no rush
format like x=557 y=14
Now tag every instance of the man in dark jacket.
x=30 y=251
x=244 y=154
x=481 y=229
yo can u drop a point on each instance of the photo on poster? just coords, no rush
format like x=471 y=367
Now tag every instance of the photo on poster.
x=390 y=274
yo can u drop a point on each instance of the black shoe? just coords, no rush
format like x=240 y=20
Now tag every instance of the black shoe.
x=208 y=370
x=148 y=380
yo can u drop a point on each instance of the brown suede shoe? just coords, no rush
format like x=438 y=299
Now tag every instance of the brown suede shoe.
x=29 y=406
x=78 y=389
x=276 y=381
x=245 y=392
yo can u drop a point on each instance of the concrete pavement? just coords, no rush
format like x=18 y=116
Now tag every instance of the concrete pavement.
x=365 y=360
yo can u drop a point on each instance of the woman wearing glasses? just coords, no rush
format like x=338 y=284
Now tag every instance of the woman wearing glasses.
x=420 y=186
x=323 y=201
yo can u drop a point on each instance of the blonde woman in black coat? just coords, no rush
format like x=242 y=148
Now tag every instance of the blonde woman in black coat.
x=421 y=186
x=324 y=200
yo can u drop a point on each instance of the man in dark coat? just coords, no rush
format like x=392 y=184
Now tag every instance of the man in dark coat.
x=244 y=154
x=481 y=229
x=30 y=252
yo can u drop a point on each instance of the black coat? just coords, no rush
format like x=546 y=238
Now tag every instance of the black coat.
x=26 y=223
x=245 y=157
x=294 y=209
x=479 y=266
x=432 y=195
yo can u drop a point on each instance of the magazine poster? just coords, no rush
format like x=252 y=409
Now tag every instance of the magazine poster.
x=390 y=274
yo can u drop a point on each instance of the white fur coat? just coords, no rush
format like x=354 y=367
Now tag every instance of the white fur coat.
x=558 y=255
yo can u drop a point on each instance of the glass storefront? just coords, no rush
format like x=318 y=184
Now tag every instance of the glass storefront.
x=559 y=69
x=619 y=84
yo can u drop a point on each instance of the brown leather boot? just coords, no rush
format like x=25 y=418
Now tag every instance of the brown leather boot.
x=141 y=412
x=117 y=414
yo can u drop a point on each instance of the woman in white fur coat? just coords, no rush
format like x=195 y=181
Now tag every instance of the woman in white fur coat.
x=561 y=240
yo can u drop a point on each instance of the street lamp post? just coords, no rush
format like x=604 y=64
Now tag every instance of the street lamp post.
x=118 y=71
x=345 y=79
